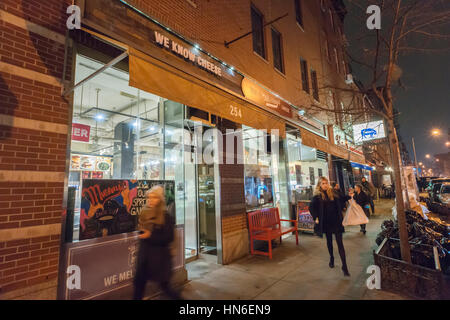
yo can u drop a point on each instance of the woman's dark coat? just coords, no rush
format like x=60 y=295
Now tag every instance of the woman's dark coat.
x=316 y=208
x=154 y=251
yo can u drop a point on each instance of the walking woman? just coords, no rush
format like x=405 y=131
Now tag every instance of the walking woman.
x=154 y=260
x=362 y=199
x=326 y=209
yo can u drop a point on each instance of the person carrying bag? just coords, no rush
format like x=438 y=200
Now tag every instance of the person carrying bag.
x=354 y=215
x=363 y=201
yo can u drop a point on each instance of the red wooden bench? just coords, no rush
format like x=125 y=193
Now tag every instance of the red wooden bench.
x=266 y=225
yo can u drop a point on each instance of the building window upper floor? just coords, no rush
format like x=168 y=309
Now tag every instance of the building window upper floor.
x=304 y=74
x=258 y=32
x=299 y=12
x=277 y=49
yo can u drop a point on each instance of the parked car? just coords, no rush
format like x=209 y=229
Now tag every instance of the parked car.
x=435 y=187
x=444 y=194
x=424 y=182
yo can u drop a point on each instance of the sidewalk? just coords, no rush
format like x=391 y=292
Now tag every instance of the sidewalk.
x=295 y=272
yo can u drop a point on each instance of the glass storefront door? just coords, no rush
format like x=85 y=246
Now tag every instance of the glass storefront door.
x=207 y=209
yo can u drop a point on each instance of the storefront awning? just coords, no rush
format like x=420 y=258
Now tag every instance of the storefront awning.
x=154 y=76
x=314 y=141
x=361 y=166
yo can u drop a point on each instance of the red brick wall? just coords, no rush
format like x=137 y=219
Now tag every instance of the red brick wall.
x=29 y=50
x=50 y=14
x=27 y=262
x=33 y=203
x=24 y=149
x=25 y=204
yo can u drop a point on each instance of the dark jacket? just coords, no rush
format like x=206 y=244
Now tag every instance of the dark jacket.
x=317 y=209
x=155 y=251
x=362 y=199
x=369 y=189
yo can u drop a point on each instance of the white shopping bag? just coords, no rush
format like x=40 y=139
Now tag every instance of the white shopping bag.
x=354 y=216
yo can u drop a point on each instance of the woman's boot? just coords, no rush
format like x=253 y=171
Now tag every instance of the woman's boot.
x=345 y=270
x=331 y=264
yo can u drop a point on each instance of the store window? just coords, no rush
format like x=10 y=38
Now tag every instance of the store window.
x=258 y=169
x=121 y=133
x=258 y=32
x=305 y=165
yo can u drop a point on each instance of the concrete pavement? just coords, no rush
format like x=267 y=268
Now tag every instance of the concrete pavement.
x=295 y=272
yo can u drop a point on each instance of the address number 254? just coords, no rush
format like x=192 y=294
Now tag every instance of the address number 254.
x=235 y=111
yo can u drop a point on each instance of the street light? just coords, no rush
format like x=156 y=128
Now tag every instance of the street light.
x=447 y=144
x=427 y=156
x=420 y=164
x=436 y=132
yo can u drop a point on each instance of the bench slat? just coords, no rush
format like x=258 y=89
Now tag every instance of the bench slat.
x=265 y=225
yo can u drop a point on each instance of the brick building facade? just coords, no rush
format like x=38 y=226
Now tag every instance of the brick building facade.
x=35 y=119
x=34 y=135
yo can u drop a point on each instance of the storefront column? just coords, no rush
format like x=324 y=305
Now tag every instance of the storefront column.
x=235 y=242
x=123 y=152
x=331 y=171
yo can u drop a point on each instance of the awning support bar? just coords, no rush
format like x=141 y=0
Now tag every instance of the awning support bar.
x=96 y=73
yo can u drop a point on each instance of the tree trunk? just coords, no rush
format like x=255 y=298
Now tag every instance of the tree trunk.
x=401 y=217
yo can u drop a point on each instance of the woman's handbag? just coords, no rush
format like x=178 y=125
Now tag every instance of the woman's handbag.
x=354 y=216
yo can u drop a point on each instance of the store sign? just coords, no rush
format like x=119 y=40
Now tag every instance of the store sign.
x=80 y=132
x=368 y=131
x=258 y=95
x=361 y=166
x=186 y=53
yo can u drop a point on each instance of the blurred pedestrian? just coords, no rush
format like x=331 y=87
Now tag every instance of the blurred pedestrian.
x=154 y=262
x=370 y=190
x=362 y=199
x=326 y=210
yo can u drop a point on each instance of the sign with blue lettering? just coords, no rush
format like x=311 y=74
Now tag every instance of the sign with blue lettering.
x=368 y=131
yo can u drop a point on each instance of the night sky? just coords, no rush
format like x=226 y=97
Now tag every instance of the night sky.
x=424 y=103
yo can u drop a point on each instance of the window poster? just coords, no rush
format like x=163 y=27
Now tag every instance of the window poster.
x=112 y=206
x=305 y=219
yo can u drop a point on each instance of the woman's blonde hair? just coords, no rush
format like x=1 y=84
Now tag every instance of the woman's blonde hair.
x=318 y=190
